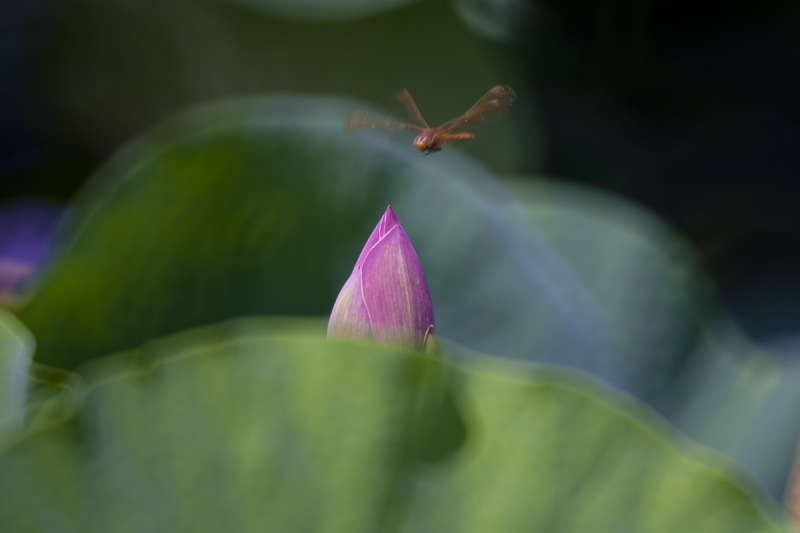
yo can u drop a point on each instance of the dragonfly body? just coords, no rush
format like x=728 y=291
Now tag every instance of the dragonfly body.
x=490 y=108
x=432 y=139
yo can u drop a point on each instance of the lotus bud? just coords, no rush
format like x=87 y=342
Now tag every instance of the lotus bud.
x=386 y=298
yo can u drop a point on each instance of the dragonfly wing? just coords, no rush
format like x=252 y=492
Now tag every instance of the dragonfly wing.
x=365 y=119
x=404 y=97
x=486 y=111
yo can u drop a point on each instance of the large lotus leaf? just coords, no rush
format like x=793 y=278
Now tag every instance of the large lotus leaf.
x=256 y=426
x=654 y=300
x=16 y=353
x=744 y=400
x=114 y=68
x=31 y=395
x=261 y=206
x=599 y=455
x=706 y=377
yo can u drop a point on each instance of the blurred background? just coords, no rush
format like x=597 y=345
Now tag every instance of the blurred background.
x=688 y=108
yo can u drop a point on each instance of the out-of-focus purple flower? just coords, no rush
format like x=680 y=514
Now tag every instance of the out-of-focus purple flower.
x=25 y=231
x=386 y=298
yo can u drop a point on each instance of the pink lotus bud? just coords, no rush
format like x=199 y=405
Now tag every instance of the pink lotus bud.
x=386 y=298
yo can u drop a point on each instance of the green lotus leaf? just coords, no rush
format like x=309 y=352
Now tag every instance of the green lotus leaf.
x=32 y=395
x=16 y=352
x=743 y=400
x=654 y=300
x=707 y=377
x=262 y=424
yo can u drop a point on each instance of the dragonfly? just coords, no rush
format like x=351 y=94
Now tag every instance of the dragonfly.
x=486 y=111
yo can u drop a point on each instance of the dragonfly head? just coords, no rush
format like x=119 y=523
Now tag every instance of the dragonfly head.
x=423 y=142
x=428 y=141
